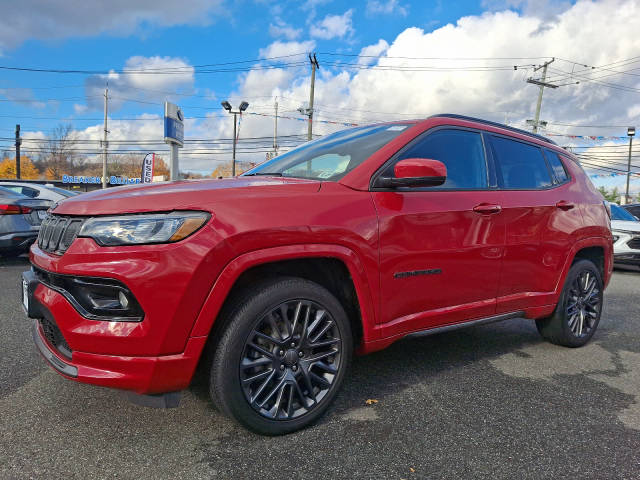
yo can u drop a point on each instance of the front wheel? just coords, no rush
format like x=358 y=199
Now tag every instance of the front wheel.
x=577 y=314
x=282 y=356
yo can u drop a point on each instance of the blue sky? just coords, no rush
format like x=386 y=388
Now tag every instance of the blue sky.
x=468 y=48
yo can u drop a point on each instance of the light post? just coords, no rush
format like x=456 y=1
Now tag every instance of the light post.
x=631 y=131
x=227 y=106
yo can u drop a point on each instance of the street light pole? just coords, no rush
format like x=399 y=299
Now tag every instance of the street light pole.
x=235 y=139
x=631 y=131
x=227 y=106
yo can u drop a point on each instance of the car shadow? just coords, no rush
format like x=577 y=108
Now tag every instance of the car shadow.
x=416 y=359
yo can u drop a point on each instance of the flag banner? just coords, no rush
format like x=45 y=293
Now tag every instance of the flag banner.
x=147 y=167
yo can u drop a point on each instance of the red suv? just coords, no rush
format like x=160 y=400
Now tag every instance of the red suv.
x=347 y=243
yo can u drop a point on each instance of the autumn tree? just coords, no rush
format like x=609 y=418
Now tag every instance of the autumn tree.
x=224 y=170
x=59 y=155
x=28 y=170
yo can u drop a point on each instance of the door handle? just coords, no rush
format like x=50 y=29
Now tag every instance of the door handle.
x=564 y=205
x=487 y=209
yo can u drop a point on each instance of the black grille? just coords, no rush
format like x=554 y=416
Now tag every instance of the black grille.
x=634 y=243
x=53 y=335
x=57 y=233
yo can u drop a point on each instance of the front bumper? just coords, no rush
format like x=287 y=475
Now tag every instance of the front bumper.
x=140 y=374
x=627 y=258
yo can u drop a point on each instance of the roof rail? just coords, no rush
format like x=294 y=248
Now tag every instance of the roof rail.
x=495 y=124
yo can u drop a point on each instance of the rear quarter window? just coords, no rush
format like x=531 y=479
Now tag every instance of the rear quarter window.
x=521 y=166
x=556 y=166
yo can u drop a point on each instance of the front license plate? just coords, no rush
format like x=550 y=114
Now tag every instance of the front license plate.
x=42 y=214
x=25 y=294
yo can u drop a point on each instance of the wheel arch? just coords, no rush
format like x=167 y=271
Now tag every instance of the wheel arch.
x=596 y=249
x=335 y=267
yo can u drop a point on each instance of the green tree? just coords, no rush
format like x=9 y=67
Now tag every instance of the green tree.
x=611 y=196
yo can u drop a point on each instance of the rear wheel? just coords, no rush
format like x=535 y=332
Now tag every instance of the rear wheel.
x=282 y=356
x=577 y=314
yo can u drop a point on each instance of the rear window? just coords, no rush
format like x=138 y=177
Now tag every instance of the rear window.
x=557 y=166
x=521 y=165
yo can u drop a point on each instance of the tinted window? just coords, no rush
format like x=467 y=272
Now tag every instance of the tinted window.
x=619 y=213
x=461 y=151
x=556 y=166
x=522 y=165
x=30 y=192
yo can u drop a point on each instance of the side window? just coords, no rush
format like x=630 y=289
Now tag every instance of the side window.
x=521 y=165
x=461 y=151
x=30 y=192
x=556 y=166
x=14 y=188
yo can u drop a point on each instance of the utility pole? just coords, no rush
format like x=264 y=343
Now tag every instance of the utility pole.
x=275 y=131
x=18 y=143
x=631 y=131
x=309 y=111
x=104 y=140
x=541 y=83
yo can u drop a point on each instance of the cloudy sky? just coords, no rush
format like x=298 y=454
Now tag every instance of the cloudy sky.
x=379 y=60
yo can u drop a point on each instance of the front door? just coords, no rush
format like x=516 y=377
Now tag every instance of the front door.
x=440 y=247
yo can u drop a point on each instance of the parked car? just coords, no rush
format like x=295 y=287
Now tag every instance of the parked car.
x=20 y=219
x=36 y=190
x=626 y=236
x=633 y=208
x=273 y=279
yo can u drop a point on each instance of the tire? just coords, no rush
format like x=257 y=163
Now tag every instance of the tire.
x=275 y=374
x=577 y=315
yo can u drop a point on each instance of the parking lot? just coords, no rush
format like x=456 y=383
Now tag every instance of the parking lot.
x=491 y=401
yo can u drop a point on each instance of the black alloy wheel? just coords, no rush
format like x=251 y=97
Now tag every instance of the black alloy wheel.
x=576 y=317
x=280 y=354
x=584 y=301
x=290 y=360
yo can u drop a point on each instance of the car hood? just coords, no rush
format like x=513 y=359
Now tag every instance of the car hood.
x=181 y=195
x=625 y=225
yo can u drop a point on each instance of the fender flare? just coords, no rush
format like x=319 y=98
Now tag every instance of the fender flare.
x=232 y=271
x=602 y=242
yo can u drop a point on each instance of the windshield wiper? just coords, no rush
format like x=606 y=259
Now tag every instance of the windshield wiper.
x=266 y=174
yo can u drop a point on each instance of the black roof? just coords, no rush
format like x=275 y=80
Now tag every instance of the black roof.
x=495 y=124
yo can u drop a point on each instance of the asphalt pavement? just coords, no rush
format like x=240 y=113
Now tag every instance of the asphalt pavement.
x=490 y=401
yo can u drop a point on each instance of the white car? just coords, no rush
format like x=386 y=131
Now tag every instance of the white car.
x=37 y=190
x=626 y=236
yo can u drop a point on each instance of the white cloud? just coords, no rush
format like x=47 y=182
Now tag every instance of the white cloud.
x=21 y=96
x=282 y=29
x=281 y=49
x=374 y=50
x=47 y=20
x=387 y=7
x=333 y=26
x=365 y=96
x=134 y=84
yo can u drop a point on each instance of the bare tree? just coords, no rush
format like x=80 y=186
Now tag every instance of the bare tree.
x=60 y=155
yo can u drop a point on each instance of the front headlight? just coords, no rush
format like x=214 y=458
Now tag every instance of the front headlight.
x=138 y=229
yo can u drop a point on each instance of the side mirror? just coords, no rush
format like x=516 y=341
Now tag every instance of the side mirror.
x=415 y=172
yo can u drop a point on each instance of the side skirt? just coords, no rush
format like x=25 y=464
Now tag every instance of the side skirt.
x=456 y=326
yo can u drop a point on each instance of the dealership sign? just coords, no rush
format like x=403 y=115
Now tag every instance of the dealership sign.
x=112 y=180
x=173 y=124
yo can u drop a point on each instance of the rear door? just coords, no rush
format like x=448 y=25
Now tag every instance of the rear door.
x=540 y=215
x=440 y=247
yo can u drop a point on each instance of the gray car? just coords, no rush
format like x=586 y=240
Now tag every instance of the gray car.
x=20 y=219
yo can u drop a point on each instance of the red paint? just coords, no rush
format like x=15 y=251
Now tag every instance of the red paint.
x=477 y=253
x=419 y=168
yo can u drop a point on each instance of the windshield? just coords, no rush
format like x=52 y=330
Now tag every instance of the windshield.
x=619 y=213
x=331 y=157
